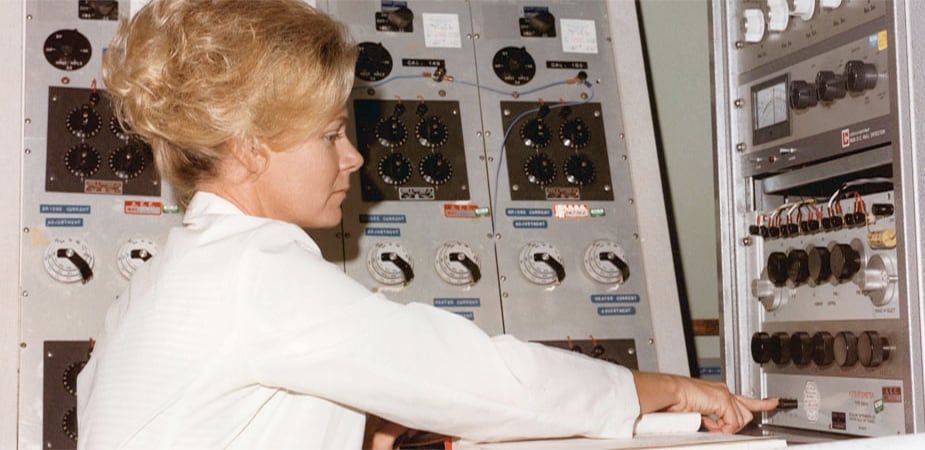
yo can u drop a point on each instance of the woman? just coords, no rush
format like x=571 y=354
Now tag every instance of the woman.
x=239 y=334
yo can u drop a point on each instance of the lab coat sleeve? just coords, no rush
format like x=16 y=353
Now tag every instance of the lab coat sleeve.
x=311 y=329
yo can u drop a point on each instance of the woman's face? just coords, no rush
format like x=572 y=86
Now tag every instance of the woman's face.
x=306 y=183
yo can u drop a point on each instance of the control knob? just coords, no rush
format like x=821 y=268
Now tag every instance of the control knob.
x=846 y=349
x=819 y=265
x=873 y=349
x=777 y=268
x=860 y=76
x=390 y=264
x=830 y=86
x=542 y=264
x=457 y=264
x=801 y=348
x=823 y=348
x=761 y=343
x=605 y=262
x=797 y=266
x=878 y=280
x=845 y=261
x=802 y=94
x=780 y=348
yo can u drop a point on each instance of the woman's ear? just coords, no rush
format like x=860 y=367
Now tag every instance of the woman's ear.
x=250 y=154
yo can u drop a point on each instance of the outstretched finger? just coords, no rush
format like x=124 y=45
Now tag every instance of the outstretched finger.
x=754 y=404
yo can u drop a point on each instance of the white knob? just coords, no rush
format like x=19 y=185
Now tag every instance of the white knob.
x=829 y=4
x=762 y=288
x=804 y=9
x=754 y=25
x=778 y=15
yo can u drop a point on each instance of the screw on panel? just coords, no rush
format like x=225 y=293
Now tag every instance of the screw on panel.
x=515 y=187
x=498 y=236
x=489 y=235
x=65 y=80
x=747 y=241
x=469 y=36
x=25 y=293
x=651 y=341
x=631 y=201
x=506 y=112
x=740 y=147
x=606 y=188
x=481 y=157
x=503 y=278
x=441 y=93
x=478 y=133
x=28 y=151
x=49 y=355
x=631 y=351
x=739 y=103
x=28 y=121
x=504 y=294
x=22 y=345
x=25 y=230
x=635 y=235
x=624 y=157
x=487 y=133
x=476 y=36
x=740 y=44
x=370 y=92
x=491 y=158
x=584 y=95
x=29 y=17
x=622 y=135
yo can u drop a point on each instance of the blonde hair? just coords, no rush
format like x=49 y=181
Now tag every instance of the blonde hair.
x=191 y=76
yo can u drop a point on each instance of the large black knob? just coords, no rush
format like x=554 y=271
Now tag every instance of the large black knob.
x=860 y=76
x=823 y=348
x=845 y=261
x=798 y=266
x=780 y=348
x=819 y=265
x=761 y=343
x=830 y=86
x=777 y=268
x=802 y=94
x=873 y=349
x=801 y=348
x=846 y=349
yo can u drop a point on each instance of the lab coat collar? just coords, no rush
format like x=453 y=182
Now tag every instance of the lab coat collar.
x=206 y=203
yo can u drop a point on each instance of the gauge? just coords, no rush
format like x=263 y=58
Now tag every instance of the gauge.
x=575 y=133
x=535 y=133
x=83 y=122
x=391 y=132
x=771 y=106
x=67 y=49
x=82 y=160
x=514 y=65
x=373 y=62
x=579 y=169
x=130 y=160
x=395 y=169
x=540 y=169
x=435 y=169
x=431 y=132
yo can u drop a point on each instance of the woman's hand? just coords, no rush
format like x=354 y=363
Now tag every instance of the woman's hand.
x=722 y=410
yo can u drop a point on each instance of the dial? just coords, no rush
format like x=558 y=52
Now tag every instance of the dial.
x=797 y=266
x=374 y=62
x=846 y=349
x=69 y=378
x=605 y=262
x=395 y=169
x=819 y=268
x=130 y=160
x=801 y=348
x=535 y=133
x=68 y=260
x=457 y=264
x=435 y=169
x=69 y=423
x=514 y=65
x=82 y=160
x=780 y=348
x=540 y=169
x=391 y=132
x=575 y=133
x=777 y=268
x=541 y=263
x=760 y=346
x=844 y=261
x=823 y=348
x=431 y=132
x=83 y=122
x=579 y=169
x=873 y=349
x=67 y=49
x=117 y=129
x=390 y=264
x=134 y=253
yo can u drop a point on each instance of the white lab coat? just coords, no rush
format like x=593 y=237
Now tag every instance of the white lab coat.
x=238 y=334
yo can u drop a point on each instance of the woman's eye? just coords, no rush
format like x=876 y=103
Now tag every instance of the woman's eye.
x=332 y=137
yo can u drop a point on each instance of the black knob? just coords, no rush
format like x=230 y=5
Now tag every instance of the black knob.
x=860 y=76
x=618 y=263
x=823 y=348
x=761 y=343
x=798 y=266
x=801 y=348
x=802 y=94
x=780 y=348
x=475 y=272
x=819 y=268
x=553 y=264
x=873 y=349
x=777 y=268
x=845 y=261
x=407 y=271
x=830 y=86
x=86 y=272
x=402 y=18
x=846 y=349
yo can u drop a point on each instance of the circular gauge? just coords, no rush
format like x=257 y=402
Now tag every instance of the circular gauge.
x=67 y=49
x=540 y=169
x=535 y=133
x=130 y=160
x=579 y=169
x=118 y=130
x=82 y=160
x=431 y=132
x=391 y=132
x=83 y=122
x=395 y=169
x=69 y=378
x=575 y=133
x=435 y=169
x=373 y=62
x=514 y=65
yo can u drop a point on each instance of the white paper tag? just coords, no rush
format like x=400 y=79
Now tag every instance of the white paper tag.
x=578 y=36
x=441 y=30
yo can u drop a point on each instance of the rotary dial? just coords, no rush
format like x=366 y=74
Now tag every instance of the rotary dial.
x=67 y=49
x=514 y=65
x=117 y=129
x=535 y=133
x=435 y=169
x=540 y=169
x=575 y=133
x=431 y=132
x=83 y=122
x=395 y=169
x=129 y=161
x=82 y=160
x=579 y=170
x=391 y=132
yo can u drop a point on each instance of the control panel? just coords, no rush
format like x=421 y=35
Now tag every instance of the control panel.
x=818 y=236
